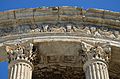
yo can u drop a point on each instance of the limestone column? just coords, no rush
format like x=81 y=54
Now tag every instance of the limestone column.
x=95 y=61
x=20 y=65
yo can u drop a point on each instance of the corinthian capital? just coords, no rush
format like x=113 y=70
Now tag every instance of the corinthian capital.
x=20 y=52
x=96 y=52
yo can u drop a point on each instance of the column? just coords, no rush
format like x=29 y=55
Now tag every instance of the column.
x=95 y=61
x=20 y=62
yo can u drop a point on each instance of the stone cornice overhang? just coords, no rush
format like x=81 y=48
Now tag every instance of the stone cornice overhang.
x=61 y=15
x=48 y=19
x=33 y=15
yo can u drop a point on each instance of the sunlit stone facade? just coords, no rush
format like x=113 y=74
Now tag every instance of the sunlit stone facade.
x=61 y=43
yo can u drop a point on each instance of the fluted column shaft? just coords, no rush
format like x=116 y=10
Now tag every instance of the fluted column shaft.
x=20 y=70
x=96 y=70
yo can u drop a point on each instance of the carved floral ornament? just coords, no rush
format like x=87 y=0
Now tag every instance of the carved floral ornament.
x=87 y=30
x=79 y=29
x=96 y=52
x=20 y=52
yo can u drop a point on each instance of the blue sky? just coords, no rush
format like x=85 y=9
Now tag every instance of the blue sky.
x=4 y=70
x=101 y=4
x=113 y=5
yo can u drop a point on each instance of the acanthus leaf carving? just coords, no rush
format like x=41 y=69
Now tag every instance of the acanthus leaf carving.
x=20 y=52
x=96 y=52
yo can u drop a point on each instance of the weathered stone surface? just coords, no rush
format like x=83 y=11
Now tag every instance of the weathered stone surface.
x=56 y=34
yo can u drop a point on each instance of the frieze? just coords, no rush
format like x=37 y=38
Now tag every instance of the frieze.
x=86 y=30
